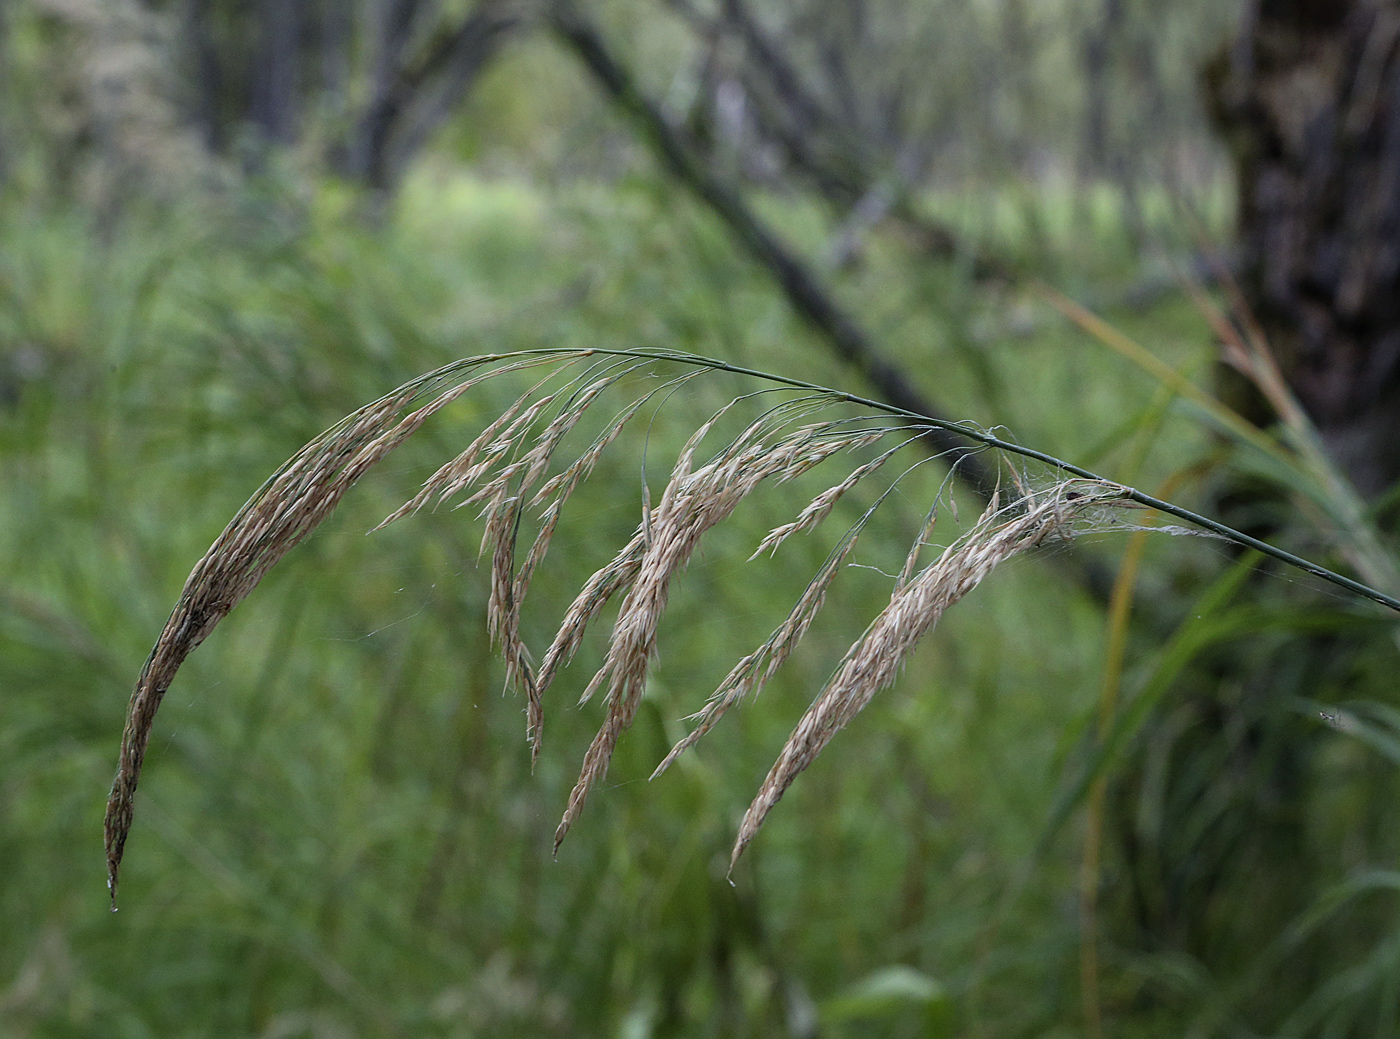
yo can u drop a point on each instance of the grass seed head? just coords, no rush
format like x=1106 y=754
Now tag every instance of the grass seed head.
x=506 y=468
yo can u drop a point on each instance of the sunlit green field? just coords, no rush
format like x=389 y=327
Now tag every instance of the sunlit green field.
x=339 y=833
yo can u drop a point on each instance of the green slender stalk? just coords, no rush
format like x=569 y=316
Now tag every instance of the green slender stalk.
x=1311 y=472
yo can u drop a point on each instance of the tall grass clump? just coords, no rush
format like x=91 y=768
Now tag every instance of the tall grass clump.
x=519 y=476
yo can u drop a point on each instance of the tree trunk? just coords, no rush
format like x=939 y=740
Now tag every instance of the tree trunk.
x=5 y=128
x=207 y=72
x=1309 y=100
x=273 y=109
x=415 y=92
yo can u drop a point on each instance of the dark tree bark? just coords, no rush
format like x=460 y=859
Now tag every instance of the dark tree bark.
x=377 y=78
x=5 y=130
x=274 y=102
x=208 y=74
x=415 y=92
x=1096 y=55
x=1309 y=98
x=336 y=32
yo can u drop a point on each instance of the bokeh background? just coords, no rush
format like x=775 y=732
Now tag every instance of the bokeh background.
x=1140 y=787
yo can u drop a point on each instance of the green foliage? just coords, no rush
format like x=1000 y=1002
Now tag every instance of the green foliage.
x=340 y=834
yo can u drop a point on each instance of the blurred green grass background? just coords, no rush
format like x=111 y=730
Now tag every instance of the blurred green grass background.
x=339 y=834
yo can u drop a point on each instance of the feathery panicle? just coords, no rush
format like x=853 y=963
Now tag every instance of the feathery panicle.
x=507 y=596
x=285 y=510
x=692 y=504
x=617 y=575
x=606 y=582
x=468 y=467
x=562 y=487
x=508 y=589
x=486 y=451
x=502 y=513
x=912 y=559
x=820 y=507
x=506 y=470
x=454 y=469
x=503 y=621
x=875 y=659
x=750 y=675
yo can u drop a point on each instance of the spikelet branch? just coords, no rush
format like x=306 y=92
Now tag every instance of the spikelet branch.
x=875 y=659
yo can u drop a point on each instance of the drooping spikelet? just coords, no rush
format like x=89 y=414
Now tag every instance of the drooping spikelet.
x=692 y=504
x=876 y=658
